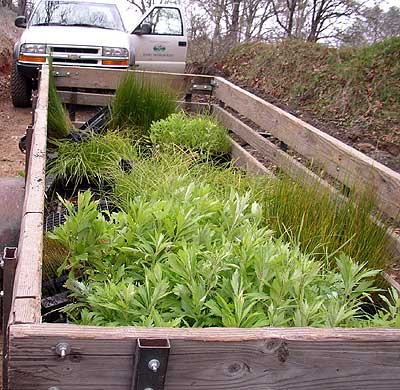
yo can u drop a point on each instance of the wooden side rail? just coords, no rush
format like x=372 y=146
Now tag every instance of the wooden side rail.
x=293 y=168
x=95 y=78
x=102 y=358
x=341 y=161
x=28 y=277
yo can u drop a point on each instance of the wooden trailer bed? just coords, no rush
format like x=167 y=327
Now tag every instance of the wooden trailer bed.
x=98 y=358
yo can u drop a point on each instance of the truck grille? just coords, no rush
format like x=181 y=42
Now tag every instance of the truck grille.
x=70 y=55
x=81 y=50
x=75 y=61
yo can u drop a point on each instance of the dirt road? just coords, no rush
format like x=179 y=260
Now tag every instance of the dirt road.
x=13 y=122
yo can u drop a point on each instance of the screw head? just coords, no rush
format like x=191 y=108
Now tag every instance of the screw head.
x=63 y=349
x=154 y=365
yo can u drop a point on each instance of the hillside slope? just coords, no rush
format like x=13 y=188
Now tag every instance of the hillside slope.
x=353 y=94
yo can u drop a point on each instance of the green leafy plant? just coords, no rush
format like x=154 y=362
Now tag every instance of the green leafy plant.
x=291 y=209
x=199 y=132
x=139 y=102
x=195 y=259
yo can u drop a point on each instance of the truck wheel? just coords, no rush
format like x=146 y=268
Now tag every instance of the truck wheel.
x=21 y=88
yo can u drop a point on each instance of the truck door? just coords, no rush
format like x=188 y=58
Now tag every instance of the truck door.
x=160 y=40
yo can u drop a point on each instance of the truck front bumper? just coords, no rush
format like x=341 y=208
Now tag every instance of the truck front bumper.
x=31 y=71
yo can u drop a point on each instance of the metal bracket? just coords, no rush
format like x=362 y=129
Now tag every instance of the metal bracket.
x=8 y=263
x=56 y=73
x=202 y=87
x=151 y=362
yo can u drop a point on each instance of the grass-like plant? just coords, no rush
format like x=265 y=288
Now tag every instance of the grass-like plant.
x=199 y=132
x=298 y=211
x=155 y=174
x=92 y=160
x=54 y=255
x=138 y=102
x=193 y=259
x=58 y=122
x=323 y=225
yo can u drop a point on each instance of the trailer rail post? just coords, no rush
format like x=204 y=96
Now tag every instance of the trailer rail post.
x=151 y=363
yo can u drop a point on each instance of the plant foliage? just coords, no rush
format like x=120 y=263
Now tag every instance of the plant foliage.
x=193 y=259
x=92 y=160
x=200 y=132
x=322 y=224
x=58 y=122
x=138 y=103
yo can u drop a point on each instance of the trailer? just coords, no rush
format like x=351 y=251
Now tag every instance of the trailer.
x=45 y=356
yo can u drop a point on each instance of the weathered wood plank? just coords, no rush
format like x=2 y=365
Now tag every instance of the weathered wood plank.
x=35 y=179
x=265 y=358
x=246 y=161
x=291 y=167
x=85 y=98
x=391 y=281
x=28 y=275
x=28 y=278
x=82 y=77
x=288 y=164
x=341 y=161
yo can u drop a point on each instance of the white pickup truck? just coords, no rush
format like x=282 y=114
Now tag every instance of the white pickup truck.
x=92 y=33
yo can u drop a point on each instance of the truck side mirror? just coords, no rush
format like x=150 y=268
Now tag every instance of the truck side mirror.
x=144 y=28
x=20 y=21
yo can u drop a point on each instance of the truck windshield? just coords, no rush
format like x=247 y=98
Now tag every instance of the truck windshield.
x=64 y=13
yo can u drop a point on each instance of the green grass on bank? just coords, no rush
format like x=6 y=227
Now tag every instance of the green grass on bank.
x=350 y=86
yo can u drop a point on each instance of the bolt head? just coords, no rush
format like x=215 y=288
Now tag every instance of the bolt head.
x=62 y=349
x=154 y=365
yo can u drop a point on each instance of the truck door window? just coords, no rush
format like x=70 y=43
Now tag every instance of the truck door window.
x=165 y=21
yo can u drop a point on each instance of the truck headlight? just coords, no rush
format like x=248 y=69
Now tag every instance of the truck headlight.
x=32 y=48
x=115 y=52
x=32 y=53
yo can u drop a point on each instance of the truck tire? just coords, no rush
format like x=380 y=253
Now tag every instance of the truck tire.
x=21 y=88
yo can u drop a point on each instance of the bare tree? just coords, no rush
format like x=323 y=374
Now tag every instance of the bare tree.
x=372 y=25
x=234 y=30
x=325 y=13
x=142 y=5
x=285 y=14
x=311 y=19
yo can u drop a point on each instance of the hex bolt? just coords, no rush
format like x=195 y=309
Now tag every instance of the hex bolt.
x=154 y=365
x=148 y=388
x=53 y=388
x=62 y=350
